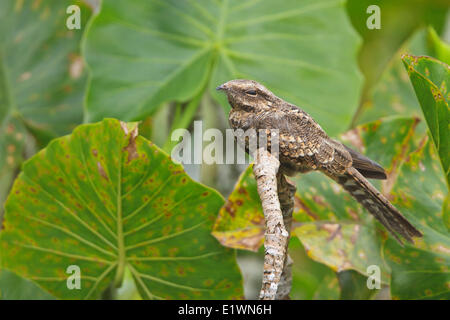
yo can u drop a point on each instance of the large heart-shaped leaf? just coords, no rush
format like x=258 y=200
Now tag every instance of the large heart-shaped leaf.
x=106 y=199
x=431 y=78
x=143 y=53
x=41 y=77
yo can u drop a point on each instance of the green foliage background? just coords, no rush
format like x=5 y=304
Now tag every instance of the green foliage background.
x=113 y=202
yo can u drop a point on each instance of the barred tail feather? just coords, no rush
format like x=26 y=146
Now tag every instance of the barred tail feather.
x=366 y=194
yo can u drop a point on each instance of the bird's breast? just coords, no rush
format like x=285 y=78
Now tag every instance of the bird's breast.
x=239 y=119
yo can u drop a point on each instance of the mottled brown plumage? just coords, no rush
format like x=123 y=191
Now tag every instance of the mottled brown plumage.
x=304 y=146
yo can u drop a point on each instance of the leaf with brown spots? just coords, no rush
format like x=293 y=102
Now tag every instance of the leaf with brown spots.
x=343 y=246
x=240 y=223
x=84 y=201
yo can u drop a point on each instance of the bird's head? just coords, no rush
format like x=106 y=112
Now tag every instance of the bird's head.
x=248 y=95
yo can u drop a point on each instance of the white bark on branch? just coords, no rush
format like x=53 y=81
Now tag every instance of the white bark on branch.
x=277 y=274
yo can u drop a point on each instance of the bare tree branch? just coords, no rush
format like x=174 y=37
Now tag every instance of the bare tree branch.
x=277 y=265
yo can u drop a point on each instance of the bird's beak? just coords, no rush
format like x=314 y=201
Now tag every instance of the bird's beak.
x=221 y=87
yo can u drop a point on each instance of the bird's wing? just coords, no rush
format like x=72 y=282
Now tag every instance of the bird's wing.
x=367 y=167
x=301 y=137
x=331 y=153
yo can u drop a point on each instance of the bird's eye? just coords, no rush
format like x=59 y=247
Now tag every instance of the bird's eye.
x=251 y=92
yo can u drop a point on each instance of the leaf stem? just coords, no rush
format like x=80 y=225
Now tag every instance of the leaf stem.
x=184 y=120
x=120 y=243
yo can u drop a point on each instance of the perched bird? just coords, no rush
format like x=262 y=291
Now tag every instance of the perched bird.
x=304 y=146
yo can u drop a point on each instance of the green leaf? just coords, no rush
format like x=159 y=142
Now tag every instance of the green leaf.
x=421 y=271
x=106 y=199
x=431 y=78
x=143 y=53
x=419 y=274
x=441 y=49
x=446 y=212
x=343 y=246
x=41 y=77
x=353 y=286
x=13 y=287
x=311 y=280
x=400 y=20
x=393 y=94
x=328 y=288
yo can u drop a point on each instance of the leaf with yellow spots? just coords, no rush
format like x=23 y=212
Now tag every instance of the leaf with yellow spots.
x=42 y=78
x=343 y=246
x=418 y=273
x=106 y=200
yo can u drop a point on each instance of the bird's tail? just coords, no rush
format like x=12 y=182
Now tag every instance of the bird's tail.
x=366 y=194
